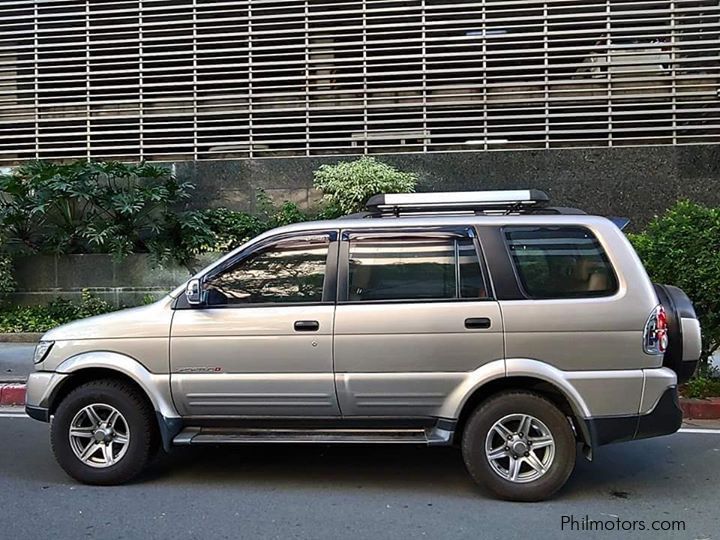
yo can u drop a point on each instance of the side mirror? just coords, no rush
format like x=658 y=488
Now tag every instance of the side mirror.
x=193 y=292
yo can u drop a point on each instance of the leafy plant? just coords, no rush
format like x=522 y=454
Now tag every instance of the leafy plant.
x=86 y=207
x=682 y=248
x=148 y=299
x=7 y=279
x=704 y=385
x=55 y=313
x=192 y=233
x=348 y=185
x=91 y=207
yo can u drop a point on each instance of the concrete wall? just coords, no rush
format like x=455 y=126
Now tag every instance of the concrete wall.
x=634 y=182
x=41 y=278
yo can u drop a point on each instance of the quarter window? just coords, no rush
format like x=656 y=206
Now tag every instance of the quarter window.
x=414 y=268
x=289 y=271
x=560 y=262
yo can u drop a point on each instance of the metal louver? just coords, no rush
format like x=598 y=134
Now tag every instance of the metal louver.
x=204 y=79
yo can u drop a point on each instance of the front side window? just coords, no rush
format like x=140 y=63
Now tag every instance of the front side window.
x=414 y=268
x=560 y=262
x=289 y=271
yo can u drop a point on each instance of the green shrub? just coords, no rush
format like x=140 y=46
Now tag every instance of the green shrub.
x=55 y=313
x=682 y=248
x=348 y=185
x=7 y=279
x=189 y=234
x=702 y=386
x=87 y=207
x=91 y=207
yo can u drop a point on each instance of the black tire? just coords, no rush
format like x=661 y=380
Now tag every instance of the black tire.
x=498 y=407
x=141 y=424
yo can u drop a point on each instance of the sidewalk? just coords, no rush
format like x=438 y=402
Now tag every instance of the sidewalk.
x=16 y=361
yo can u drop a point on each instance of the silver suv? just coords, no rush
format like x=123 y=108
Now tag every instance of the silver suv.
x=489 y=320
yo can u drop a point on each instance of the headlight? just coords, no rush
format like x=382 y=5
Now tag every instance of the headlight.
x=41 y=351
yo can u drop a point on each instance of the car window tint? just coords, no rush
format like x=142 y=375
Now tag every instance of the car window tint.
x=287 y=272
x=560 y=262
x=412 y=268
x=472 y=284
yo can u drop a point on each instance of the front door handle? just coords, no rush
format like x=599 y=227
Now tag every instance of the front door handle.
x=478 y=322
x=306 y=326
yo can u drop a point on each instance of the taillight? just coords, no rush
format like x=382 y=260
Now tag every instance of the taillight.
x=655 y=336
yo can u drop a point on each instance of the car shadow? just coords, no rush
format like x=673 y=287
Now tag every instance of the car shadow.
x=381 y=467
x=396 y=467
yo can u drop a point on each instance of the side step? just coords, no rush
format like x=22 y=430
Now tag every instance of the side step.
x=214 y=435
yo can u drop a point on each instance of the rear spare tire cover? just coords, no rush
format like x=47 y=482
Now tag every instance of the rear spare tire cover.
x=677 y=306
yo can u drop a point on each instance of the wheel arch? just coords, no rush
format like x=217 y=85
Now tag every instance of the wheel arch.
x=104 y=364
x=520 y=374
x=83 y=376
x=540 y=386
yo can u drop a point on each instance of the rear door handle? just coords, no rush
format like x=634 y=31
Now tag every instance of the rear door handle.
x=306 y=326
x=478 y=322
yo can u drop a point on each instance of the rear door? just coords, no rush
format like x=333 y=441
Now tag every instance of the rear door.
x=415 y=313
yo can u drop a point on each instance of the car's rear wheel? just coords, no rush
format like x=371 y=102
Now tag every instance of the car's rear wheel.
x=520 y=446
x=103 y=432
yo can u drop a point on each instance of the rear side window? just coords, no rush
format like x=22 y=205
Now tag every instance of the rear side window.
x=414 y=268
x=560 y=262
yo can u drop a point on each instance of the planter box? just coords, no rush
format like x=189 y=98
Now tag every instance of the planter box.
x=41 y=278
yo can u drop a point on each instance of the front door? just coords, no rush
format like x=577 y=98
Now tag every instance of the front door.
x=415 y=314
x=261 y=344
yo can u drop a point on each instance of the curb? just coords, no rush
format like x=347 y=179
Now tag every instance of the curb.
x=13 y=394
x=21 y=337
x=700 y=409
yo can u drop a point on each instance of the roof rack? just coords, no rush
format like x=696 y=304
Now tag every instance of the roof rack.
x=527 y=201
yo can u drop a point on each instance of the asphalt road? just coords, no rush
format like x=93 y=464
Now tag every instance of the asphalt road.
x=350 y=492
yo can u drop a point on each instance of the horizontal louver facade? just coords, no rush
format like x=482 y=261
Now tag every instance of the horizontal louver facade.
x=203 y=79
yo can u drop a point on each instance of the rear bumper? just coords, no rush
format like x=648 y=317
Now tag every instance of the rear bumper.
x=665 y=418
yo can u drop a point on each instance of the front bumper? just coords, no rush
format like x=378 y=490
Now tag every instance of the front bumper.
x=665 y=418
x=38 y=413
x=41 y=387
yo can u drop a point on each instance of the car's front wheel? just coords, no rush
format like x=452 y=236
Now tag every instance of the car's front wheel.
x=103 y=432
x=520 y=446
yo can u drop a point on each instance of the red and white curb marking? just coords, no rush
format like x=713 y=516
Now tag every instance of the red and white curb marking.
x=12 y=394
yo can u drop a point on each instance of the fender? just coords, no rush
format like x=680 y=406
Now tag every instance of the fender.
x=156 y=387
x=514 y=367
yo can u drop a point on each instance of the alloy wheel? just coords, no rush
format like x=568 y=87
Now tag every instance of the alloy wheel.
x=99 y=435
x=520 y=448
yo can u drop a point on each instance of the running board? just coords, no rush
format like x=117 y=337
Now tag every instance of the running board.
x=207 y=435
